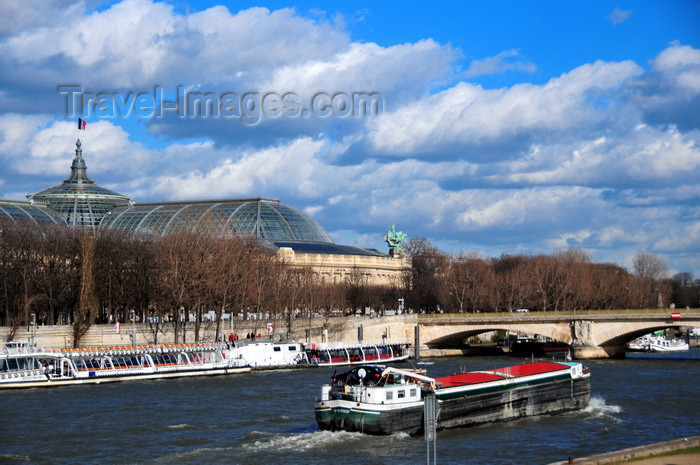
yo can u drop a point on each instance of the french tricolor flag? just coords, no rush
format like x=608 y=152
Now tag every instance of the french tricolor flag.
x=81 y=124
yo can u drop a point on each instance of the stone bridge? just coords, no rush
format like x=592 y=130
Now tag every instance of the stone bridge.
x=591 y=335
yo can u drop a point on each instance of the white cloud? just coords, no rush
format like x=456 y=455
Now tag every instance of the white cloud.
x=467 y=114
x=137 y=43
x=619 y=16
x=288 y=166
x=27 y=14
x=501 y=63
x=399 y=70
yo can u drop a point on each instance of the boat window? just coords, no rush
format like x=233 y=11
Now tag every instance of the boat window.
x=292 y=348
x=3 y=364
x=26 y=363
x=389 y=395
x=401 y=394
x=371 y=353
x=277 y=349
x=413 y=392
x=12 y=364
x=356 y=354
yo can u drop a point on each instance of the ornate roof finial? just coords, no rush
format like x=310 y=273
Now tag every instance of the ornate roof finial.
x=78 y=169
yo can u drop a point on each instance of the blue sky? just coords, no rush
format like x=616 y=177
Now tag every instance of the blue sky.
x=506 y=127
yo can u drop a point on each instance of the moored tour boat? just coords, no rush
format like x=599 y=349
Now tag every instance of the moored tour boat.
x=356 y=354
x=380 y=401
x=640 y=344
x=267 y=355
x=657 y=343
x=25 y=366
x=668 y=345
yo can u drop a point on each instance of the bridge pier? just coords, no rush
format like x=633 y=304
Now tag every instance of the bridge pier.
x=580 y=352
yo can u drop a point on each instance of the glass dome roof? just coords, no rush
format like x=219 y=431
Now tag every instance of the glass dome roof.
x=258 y=217
x=78 y=199
x=23 y=211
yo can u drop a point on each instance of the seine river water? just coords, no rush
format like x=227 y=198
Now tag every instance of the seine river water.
x=267 y=418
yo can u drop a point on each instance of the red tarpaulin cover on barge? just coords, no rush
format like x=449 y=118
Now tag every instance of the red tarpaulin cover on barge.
x=500 y=373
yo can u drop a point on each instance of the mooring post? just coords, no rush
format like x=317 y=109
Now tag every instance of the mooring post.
x=416 y=342
x=430 y=425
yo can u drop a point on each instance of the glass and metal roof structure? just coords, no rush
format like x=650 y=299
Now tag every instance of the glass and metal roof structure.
x=259 y=217
x=78 y=199
x=25 y=211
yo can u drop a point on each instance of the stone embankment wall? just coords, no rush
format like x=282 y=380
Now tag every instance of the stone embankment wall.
x=337 y=330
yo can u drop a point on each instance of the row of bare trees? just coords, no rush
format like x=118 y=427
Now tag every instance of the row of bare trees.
x=564 y=280
x=54 y=275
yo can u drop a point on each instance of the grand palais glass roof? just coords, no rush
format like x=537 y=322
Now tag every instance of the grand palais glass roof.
x=23 y=211
x=78 y=199
x=258 y=217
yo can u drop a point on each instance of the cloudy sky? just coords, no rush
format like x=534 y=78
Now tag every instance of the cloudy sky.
x=504 y=126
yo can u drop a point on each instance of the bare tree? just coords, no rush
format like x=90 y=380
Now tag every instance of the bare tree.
x=427 y=263
x=512 y=281
x=227 y=278
x=468 y=280
x=86 y=309
x=649 y=266
x=183 y=259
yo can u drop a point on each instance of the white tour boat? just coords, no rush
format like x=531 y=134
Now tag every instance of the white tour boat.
x=657 y=343
x=356 y=354
x=668 y=345
x=265 y=355
x=23 y=366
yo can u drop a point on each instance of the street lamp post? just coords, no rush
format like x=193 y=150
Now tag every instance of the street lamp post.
x=33 y=328
x=133 y=327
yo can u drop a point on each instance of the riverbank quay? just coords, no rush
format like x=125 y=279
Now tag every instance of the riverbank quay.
x=336 y=330
x=646 y=455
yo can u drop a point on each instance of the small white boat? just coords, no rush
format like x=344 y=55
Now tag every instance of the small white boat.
x=640 y=344
x=668 y=345
x=23 y=366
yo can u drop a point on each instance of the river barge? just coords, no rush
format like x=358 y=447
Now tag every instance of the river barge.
x=533 y=348
x=26 y=367
x=381 y=401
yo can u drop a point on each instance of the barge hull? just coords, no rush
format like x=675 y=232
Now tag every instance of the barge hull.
x=464 y=411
